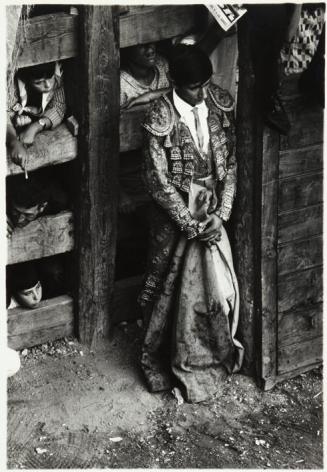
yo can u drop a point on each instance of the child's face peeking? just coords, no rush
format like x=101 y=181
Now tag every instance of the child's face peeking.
x=30 y=297
x=143 y=54
x=43 y=85
x=21 y=216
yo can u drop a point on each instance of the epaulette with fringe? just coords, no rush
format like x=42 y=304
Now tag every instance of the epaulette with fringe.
x=160 y=117
x=221 y=98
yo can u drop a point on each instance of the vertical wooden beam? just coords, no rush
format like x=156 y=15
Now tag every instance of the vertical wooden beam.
x=98 y=154
x=269 y=228
x=244 y=206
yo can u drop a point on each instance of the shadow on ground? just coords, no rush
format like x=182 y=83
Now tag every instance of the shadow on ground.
x=69 y=408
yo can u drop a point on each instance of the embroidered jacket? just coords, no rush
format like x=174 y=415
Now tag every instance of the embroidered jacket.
x=170 y=152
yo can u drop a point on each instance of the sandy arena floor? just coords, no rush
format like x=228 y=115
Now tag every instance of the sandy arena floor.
x=70 y=408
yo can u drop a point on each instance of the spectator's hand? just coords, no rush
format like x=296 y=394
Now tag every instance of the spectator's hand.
x=10 y=227
x=18 y=153
x=212 y=231
x=28 y=135
x=23 y=120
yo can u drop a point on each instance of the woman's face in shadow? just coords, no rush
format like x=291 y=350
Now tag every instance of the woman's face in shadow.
x=143 y=55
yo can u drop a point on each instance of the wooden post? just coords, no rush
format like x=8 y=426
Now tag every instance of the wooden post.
x=268 y=269
x=244 y=206
x=98 y=154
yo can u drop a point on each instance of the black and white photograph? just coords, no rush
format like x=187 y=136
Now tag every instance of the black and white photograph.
x=163 y=247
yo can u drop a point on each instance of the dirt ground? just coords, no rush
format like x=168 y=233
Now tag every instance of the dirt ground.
x=70 y=408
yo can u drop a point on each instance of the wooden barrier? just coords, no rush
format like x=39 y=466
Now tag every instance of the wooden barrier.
x=299 y=290
x=46 y=236
x=306 y=129
x=47 y=38
x=299 y=224
x=145 y=24
x=300 y=255
x=51 y=320
x=268 y=261
x=300 y=325
x=300 y=191
x=96 y=222
x=296 y=161
x=296 y=356
x=50 y=148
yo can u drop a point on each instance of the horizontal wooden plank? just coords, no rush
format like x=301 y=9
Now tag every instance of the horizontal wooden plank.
x=130 y=130
x=52 y=319
x=50 y=148
x=300 y=191
x=145 y=24
x=300 y=325
x=300 y=254
x=46 y=236
x=306 y=129
x=300 y=224
x=295 y=161
x=48 y=38
x=298 y=356
x=299 y=290
x=125 y=306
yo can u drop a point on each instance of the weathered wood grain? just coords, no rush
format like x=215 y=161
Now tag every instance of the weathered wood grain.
x=306 y=129
x=296 y=161
x=51 y=320
x=270 y=157
x=299 y=290
x=300 y=191
x=125 y=306
x=299 y=255
x=299 y=355
x=243 y=211
x=300 y=224
x=50 y=148
x=99 y=155
x=145 y=24
x=299 y=326
x=130 y=130
x=46 y=236
x=48 y=38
